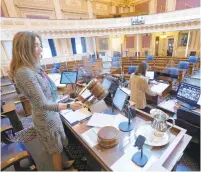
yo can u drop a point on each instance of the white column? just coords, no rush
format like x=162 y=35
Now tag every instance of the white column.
x=186 y=52
x=170 y=5
x=152 y=6
x=131 y=8
x=11 y=8
x=90 y=9
x=57 y=9
x=126 y=10
x=113 y=9
x=121 y=10
x=94 y=39
x=137 y=45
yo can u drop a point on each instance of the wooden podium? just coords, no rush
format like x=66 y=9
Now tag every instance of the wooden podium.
x=157 y=99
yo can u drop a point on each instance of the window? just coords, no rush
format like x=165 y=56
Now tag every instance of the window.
x=78 y=45
x=8 y=46
x=46 y=49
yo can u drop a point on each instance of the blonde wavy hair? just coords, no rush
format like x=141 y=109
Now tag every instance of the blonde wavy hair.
x=23 y=53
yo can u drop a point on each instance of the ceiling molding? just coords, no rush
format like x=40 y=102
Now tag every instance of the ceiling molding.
x=171 y=21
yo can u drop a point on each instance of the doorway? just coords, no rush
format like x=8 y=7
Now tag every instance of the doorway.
x=170 y=46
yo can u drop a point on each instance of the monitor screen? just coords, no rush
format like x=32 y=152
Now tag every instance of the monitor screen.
x=68 y=77
x=150 y=74
x=120 y=99
x=189 y=94
x=106 y=83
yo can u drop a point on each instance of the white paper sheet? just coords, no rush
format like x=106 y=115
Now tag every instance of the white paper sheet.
x=159 y=88
x=125 y=163
x=101 y=120
x=90 y=136
x=126 y=90
x=168 y=104
x=98 y=107
x=118 y=119
x=76 y=116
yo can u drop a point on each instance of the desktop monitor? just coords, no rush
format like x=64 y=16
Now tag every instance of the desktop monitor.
x=69 y=77
x=150 y=74
x=189 y=94
x=120 y=99
x=106 y=83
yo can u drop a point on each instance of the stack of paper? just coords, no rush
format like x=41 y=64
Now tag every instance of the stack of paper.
x=75 y=117
x=102 y=120
x=159 y=88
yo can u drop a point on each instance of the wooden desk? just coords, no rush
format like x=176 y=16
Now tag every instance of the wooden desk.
x=9 y=111
x=107 y=157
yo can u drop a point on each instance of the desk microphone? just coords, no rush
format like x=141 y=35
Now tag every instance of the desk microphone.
x=127 y=126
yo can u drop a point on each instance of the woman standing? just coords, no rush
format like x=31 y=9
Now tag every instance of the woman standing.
x=34 y=83
x=138 y=84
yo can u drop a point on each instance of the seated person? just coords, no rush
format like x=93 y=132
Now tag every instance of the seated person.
x=139 y=86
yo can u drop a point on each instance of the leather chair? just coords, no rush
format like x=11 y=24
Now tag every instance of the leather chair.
x=54 y=70
x=173 y=71
x=16 y=154
x=57 y=65
x=6 y=130
x=183 y=65
x=149 y=58
x=193 y=59
x=131 y=69
x=12 y=153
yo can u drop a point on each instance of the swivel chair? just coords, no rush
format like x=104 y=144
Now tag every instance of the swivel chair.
x=173 y=71
x=193 y=59
x=183 y=65
x=149 y=58
x=14 y=153
x=131 y=69
x=54 y=70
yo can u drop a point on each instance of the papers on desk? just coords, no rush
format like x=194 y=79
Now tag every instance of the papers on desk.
x=91 y=136
x=102 y=120
x=99 y=107
x=159 y=88
x=76 y=116
x=168 y=105
x=125 y=163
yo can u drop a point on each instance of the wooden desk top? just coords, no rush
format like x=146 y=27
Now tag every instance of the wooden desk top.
x=107 y=157
x=8 y=107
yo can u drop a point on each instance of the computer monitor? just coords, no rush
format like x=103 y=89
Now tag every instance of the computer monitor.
x=106 y=83
x=69 y=77
x=189 y=94
x=120 y=99
x=150 y=74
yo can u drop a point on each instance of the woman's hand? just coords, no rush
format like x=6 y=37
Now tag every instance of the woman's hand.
x=76 y=106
